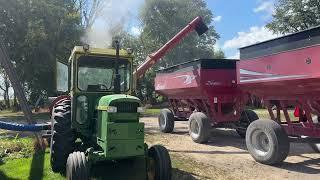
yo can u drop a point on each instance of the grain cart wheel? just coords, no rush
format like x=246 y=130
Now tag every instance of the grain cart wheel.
x=315 y=146
x=77 y=168
x=63 y=138
x=160 y=163
x=166 y=120
x=199 y=127
x=267 y=142
x=247 y=117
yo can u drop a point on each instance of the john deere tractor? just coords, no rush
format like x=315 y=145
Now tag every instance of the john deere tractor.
x=95 y=126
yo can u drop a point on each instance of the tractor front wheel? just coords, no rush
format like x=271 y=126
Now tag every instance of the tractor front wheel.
x=160 y=163
x=267 y=142
x=166 y=121
x=77 y=168
x=63 y=138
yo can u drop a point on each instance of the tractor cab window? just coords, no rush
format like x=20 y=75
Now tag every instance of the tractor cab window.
x=97 y=73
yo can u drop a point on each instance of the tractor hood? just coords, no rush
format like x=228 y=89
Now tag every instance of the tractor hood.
x=109 y=99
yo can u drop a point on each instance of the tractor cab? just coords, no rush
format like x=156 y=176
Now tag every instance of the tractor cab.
x=92 y=70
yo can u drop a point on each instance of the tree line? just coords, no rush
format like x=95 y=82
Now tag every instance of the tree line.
x=37 y=33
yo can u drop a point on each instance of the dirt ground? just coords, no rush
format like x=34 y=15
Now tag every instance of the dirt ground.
x=227 y=152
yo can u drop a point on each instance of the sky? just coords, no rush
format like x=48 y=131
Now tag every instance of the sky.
x=238 y=22
x=241 y=23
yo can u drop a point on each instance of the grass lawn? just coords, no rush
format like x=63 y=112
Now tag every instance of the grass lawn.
x=18 y=161
x=151 y=112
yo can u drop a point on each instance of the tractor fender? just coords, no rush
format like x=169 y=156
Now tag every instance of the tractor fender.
x=56 y=100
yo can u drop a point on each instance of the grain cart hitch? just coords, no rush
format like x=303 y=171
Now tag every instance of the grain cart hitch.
x=95 y=125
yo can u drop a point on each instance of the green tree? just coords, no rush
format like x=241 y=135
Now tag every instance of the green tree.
x=37 y=33
x=295 y=15
x=160 y=21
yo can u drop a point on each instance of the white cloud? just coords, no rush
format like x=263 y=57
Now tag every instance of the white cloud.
x=255 y=35
x=135 y=30
x=235 y=56
x=217 y=19
x=265 y=7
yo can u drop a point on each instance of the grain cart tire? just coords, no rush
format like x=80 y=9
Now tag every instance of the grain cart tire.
x=160 y=163
x=77 y=168
x=62 y=141
x=199 y=127
x=247 y=117
x=267 y=142
x=315 y=147
x=166 y=121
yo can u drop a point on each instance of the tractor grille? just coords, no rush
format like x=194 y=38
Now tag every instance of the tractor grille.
x=126 y=107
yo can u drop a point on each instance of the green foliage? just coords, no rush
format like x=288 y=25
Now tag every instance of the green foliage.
x=295 y=15
x=161 y=20
x=37 y=33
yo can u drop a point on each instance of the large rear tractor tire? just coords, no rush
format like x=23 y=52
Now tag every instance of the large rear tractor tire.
x=267 y=142
x=166 y=121
x=247 y=117
x=77 y=168
x=199 y=127
x=63 y=138
x=160 y=163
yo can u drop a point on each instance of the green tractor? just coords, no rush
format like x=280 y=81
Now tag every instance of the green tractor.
x=95 y=128
x=97 y=123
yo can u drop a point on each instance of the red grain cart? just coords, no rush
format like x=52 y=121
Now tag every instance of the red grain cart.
x=283 y=72
x=204 y=92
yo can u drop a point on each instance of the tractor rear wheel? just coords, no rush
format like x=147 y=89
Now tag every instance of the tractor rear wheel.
x=160 y=163
x=247 y=117
x=63 y=138
x=267 y=142
x=77 y=168
x=166 y=121
x=199 y=127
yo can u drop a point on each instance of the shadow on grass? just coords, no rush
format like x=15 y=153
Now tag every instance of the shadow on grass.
x=37 y=166
x=5 y=177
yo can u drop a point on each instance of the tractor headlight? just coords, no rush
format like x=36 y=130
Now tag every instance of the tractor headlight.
x=82 y=109
x=141 y=109
x=112 y=109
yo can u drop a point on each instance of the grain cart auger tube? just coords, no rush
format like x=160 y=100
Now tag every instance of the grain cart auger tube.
x=197 y=24
x=166 y=117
